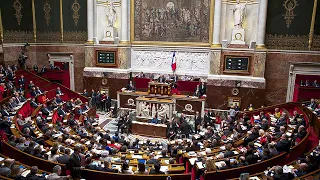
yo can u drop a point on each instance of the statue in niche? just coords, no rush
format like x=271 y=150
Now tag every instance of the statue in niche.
x=153 y=111
x=239 y=12
x=111 y=16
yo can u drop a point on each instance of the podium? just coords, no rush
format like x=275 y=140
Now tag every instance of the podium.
x=156 y=88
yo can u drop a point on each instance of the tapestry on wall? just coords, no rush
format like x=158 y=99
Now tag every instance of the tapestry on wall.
x=172 y=20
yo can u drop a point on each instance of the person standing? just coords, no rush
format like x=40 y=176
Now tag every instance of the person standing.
x=197 y=122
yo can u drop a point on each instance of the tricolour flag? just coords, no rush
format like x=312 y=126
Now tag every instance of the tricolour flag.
x=173 y=63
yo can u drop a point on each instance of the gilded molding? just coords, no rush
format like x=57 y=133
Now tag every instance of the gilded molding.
x=34 y=22
x=47 y=10
x=211 y=21
x=289 y=5
x=61 y=20
x=75 y=8
x=313 y=20
x=18 y=7
x=1 y=28
x=289 y=42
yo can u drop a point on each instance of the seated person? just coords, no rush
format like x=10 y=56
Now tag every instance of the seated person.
x=141 y=169
x=154 y=120
x=45 y=111
x=156 y=169
x=197 y=92
x=58 y=91
x=5 y=169
x=301 y=170
x=30 y=85
x=38 y=91
x=315 y=83
x=313 y=104
x=283 y=145
x=58 y=99
x=125 y=168
x=130 y=86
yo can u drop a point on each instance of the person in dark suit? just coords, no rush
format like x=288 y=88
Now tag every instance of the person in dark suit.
x=196 y=92
x=264 y=124
x=58 y=91
x=227 y=164
x=156 y=169
x=171 y=130
x=162 y=79
x=22 y=81
x=106 y=168
x=202 y=89
x=4 y=112
x=229 y=152
x=64 y=159
x=75 y=163
x=85 y=93
x=33 y=103
x=131 y=86
x=279 y=175
x=283 y=145
x=312 y=104
x=152 y=160
x=45 y=111
x=61 y=112
x=197 y=122
x=185 y=129
x=108 y=103
x=98 y=100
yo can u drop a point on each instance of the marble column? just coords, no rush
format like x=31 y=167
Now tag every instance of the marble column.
x=216 y=26
x=95 y=22
x=262 y=23
x=90 y=21
x=125 y=16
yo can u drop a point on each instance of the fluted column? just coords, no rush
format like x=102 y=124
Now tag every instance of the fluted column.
x=95 y=22
x=216 y=24
x=90 y=21
x=125 y=16
x=262 y=23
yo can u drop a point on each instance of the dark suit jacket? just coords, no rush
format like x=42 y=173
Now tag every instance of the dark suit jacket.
x=202 y=90
x=185 y=128
x=197 y=120
x=153 y=171
x=283 y=146
x=45 y=111
x=64 y=159
x=75 y=166
x=228 y=154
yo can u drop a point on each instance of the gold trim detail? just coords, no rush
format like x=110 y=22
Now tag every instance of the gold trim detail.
x=18 y=7
x=47 y=10
x=1 y=28
x=261 y=47
x=289 y=42
x=313 y=20
x=61 y=21
x=75 y=8
x=289 y=5
x=216 y=45
x=90 y=42
x=211 y=20
x=34 y=22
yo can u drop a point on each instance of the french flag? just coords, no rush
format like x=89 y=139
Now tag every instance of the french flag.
x=173 y=63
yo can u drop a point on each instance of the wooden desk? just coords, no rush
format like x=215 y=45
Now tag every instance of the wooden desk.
x=159 y=88
x=148 y=129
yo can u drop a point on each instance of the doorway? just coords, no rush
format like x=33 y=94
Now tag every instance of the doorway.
x=65 y=62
